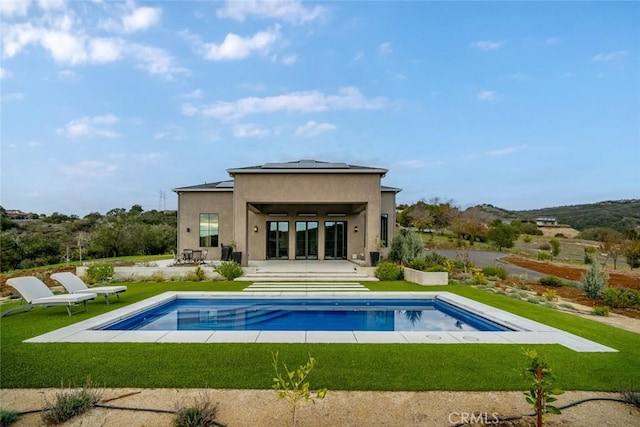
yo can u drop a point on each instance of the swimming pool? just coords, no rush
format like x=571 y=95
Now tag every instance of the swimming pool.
x=216 y=314
x=521 y=330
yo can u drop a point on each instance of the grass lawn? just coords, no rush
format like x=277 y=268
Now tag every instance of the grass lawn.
x=340 y=366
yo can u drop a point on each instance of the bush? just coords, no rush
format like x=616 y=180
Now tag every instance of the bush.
x=437 y=269
x=157 y=277
x=552 y=281
x=600 y=311
x=479 y=279
x=419 y=264
x=621 y=298
x=229 y=270
x=550 y=295
x=388 y=270
x=495 y=271
x=70 y=403
x=197 y=275
x=526 y=238
x=201 y=414
x=405 y=247
x=98 y=273
x=594 y=282
x=545 y=246
x=7 y=417
x=544 y=256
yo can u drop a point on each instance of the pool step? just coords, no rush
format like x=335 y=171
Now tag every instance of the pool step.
x=306 y=276
x=305 y=287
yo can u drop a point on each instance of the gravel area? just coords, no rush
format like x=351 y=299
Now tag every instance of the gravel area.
x=339 y=408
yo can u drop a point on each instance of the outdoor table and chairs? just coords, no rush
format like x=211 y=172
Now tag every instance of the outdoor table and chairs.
x=192 y=256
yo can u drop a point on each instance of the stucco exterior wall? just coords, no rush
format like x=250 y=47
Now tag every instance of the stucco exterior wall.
x=191 y=205
x=297 y=189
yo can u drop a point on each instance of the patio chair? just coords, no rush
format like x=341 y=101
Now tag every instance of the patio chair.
x=35 y=293
x=74 y=285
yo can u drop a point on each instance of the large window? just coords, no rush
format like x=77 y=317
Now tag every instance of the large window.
x=208 y=230
x=384 y=230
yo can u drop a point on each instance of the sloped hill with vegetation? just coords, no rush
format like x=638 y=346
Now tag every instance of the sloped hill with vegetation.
x=616 y=214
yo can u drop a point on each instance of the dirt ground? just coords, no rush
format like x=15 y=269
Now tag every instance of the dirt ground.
x=617 y=278
x=339 y=408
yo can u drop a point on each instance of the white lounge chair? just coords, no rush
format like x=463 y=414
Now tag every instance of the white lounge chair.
x=35 y=293
x=75 y=285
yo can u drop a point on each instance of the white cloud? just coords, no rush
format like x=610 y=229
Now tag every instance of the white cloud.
x=348 y=98
x=67 y=74
x=51 y=4
x=385 y=48
x=612 y=56
x=291 y=11
x=189 y=110
x=15 y=96
x=149 y=157
x=235 y=47
x=487 y=45
x=90 y=127
x=71 y=46
x=487 y=95
x=88 y=168
x=156 y=61
x=290 y=59
x=196 y=94
x=507 y=150
x=141 y=18
x=10 y=8
x=4 y=73
x=311 y=129
x=105 y=50
x=249 y=130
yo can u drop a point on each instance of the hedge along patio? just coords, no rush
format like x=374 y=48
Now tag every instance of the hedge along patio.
x=340 y=366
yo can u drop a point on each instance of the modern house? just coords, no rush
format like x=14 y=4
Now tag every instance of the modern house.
x=293 y=211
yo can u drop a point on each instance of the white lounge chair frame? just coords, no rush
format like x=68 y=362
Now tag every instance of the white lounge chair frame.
x=35 y=293
x=75 y=285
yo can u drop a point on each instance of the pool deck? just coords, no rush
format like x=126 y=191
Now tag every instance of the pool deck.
x=527 y=331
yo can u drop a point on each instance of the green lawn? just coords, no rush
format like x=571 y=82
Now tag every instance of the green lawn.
x=340 y=366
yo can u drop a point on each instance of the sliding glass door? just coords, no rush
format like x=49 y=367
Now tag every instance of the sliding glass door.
x=278 y=240
x=335 y=240
x=306 y=239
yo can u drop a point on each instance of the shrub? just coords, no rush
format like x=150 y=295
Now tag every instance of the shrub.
x=405 y=247
x=568 y=306
x=495 y=271
x=157 y=277
x=388 y=270
x=437 y=269
x=419 y=264
x=201 y=414
x=70 y=403
x=621 y=298
x=526 y=238
x=544 y=256
x=229 y=270
x=594 y=282
x=600 y=311
x=197 y=275
x=479 y=279
x=549 y=280
x=544 y=246
x=7 y=417
x=97 y=273
x=550 y=295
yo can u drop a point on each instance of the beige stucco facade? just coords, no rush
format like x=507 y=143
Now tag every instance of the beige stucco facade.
x=298 y=210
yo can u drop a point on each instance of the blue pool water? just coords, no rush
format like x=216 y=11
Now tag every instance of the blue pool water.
x=306 y=315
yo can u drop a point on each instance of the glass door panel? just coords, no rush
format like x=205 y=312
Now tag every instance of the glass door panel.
x=278 y=240
x=335 y=240
x=306 y=239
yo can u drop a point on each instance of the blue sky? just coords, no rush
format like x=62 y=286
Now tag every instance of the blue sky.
x=522 y=105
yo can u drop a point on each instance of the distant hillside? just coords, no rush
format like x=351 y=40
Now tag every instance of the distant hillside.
x=617 y=214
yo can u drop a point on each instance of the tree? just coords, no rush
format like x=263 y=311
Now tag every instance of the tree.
x=470 y=226
x=502 y=235
x=613 y=243
x=631 y=252
x=555 y=247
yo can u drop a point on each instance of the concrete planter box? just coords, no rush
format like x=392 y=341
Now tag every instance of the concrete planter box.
x=135 y=273
x=426 y=278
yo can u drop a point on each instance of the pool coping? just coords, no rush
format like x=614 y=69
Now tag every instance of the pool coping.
x=527 y=331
